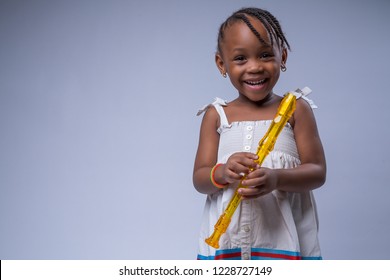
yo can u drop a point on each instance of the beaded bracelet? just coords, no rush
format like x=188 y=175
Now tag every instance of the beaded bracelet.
x=212 y=178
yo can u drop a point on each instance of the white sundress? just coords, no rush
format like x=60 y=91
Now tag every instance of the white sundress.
x=279 y=225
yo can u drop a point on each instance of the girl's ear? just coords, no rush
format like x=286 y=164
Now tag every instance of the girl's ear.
x=220 y=64
x=284 y=56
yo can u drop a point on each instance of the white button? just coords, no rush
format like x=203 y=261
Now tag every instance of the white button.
x=247 y=148
x=246 y=228
x=249 y=136
x=249 y=127
x=245 y=256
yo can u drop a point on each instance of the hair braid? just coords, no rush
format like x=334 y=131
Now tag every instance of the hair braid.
x=278 y=29
x=270 y=23
x=246 y=20
x=263 y=19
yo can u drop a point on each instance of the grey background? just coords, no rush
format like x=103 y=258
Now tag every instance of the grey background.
x=98 y=131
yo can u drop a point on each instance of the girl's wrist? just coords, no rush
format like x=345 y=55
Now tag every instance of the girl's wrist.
x=213 y=176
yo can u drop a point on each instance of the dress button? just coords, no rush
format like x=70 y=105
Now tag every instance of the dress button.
x=247 y=228
x=249 y=127
x=245 y=256
x=249 y=137
x=247 y=148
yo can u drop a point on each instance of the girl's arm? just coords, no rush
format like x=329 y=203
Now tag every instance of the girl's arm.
x=311 y=173
x=206 y=156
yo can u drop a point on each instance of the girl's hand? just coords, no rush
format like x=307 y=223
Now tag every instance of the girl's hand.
x=259 y=182
x=238 y=165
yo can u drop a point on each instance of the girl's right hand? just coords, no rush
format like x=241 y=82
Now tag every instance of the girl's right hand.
x=238 y=165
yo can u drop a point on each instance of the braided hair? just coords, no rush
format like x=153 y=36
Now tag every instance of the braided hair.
x=270 y=23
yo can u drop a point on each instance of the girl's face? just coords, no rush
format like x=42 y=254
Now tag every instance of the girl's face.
x=253 y=67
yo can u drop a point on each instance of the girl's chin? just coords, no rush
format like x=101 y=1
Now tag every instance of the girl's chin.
x=257 y=97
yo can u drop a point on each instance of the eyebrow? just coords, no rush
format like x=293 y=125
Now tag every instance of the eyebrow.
x=239 y=49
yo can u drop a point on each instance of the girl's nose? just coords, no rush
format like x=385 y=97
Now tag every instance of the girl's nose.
x=255 y=66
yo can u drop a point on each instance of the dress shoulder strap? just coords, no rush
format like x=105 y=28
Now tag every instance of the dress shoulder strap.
x=218 y=105
x=303 y=93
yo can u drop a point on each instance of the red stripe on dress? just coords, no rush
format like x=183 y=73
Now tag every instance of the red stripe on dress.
x=275 y=256
x=228 y=256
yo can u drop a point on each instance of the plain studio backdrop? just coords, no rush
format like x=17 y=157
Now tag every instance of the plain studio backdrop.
x=98 y=131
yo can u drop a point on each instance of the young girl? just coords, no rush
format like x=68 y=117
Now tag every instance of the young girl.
x=277 y=218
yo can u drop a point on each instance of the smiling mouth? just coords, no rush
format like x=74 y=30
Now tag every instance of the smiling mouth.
x=256 y=83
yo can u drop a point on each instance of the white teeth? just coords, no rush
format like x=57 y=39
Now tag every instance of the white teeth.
x=256 y=82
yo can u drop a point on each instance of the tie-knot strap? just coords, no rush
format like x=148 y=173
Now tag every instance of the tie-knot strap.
x=303 y=93
x=217 y=101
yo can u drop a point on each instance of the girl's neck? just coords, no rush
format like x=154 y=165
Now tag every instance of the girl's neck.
x=269 y=99
x=244 y=109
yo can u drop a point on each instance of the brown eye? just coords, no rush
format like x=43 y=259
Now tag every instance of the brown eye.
x=239 y=58
x=266 y=55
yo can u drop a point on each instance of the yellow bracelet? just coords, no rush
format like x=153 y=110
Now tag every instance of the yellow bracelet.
x=212 y=174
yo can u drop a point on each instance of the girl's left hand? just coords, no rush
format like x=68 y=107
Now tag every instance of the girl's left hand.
x=259 y=182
